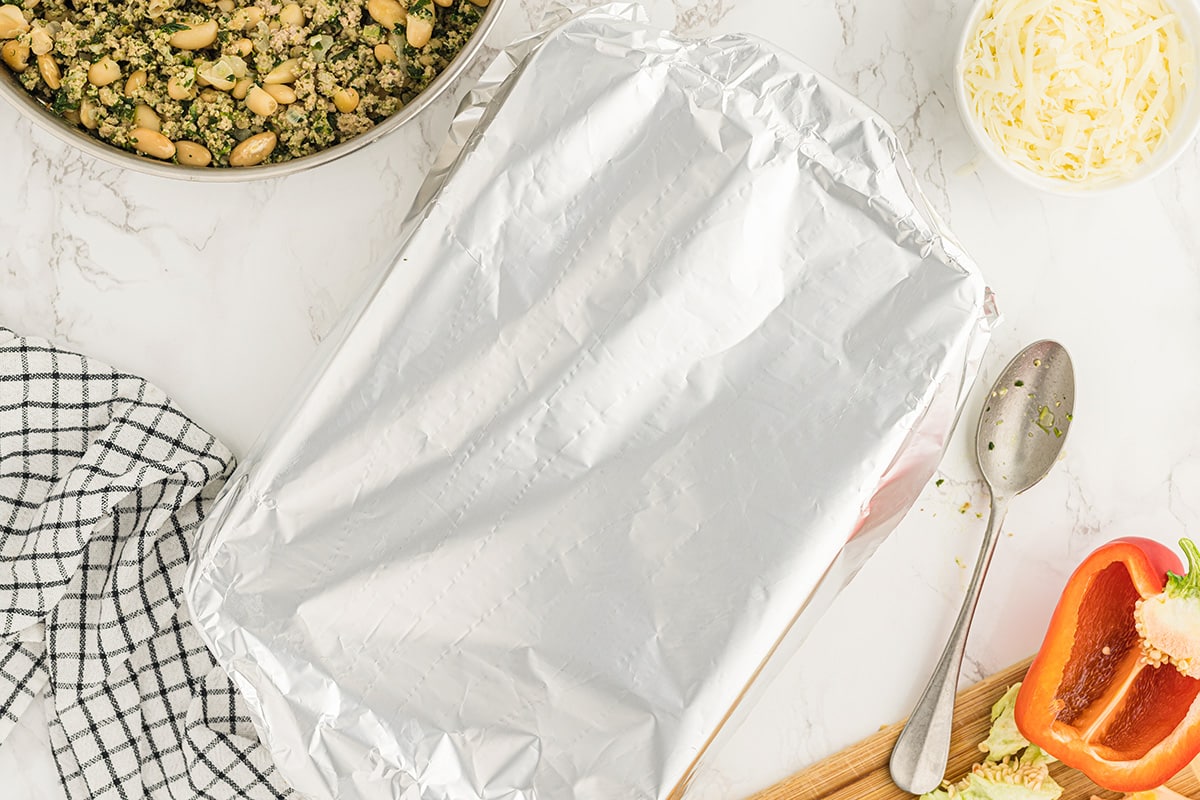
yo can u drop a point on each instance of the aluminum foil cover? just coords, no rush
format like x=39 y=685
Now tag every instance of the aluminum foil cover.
x=671 y=328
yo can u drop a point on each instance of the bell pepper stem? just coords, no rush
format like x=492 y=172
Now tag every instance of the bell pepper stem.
x=1188 y=584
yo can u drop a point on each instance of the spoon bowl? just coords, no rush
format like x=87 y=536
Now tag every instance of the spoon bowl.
x=1021 y=431
x=1025 y=418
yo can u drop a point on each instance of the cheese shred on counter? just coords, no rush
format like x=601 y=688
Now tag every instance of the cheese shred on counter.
x=1078 y=90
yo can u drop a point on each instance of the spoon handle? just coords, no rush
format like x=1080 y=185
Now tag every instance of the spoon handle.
x=918 y=762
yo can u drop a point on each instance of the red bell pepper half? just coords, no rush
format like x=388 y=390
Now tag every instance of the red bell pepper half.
x=1111 y=692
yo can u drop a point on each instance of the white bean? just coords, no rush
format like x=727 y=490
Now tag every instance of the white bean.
x=260 y=102
x=151 y=143
x=293 y=15
x=418 y=30
x=385 y=54
x=51 y=74
x=182 y=88
x=16 y=54
x=387 y=13
x=345 y=100
x=136 y=81
x=191 y=154
x=12 y=22
x=283 y=94
x=254 y=150
x=286 y=72
x=89 y=114
x=103 y=72
x=195 y=37
x=144 y=117
x=246 y=18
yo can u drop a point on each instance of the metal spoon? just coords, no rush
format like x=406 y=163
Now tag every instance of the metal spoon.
x=1021 y=431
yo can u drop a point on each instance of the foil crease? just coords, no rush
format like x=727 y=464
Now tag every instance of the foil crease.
x=671 y=341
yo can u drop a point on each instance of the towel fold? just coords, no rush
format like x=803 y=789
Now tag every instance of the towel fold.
x=103 y=484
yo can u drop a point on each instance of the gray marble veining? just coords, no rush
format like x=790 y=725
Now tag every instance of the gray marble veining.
x=220 y=293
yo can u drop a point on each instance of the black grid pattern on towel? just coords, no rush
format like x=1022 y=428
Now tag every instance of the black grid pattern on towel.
x=103 y=485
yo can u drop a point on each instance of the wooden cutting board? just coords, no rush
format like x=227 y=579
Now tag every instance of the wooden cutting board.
x=860 y=771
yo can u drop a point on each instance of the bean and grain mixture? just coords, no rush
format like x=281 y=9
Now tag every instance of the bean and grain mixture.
x=228 y=83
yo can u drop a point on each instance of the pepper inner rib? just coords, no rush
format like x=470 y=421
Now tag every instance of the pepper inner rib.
x=1092 y=723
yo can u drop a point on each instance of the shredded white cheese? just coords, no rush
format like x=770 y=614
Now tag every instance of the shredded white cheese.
x=1078 y=90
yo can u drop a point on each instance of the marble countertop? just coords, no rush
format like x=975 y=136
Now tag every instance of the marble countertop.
x=219 y=294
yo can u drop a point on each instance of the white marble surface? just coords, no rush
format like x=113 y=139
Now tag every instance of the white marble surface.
x=220 y=293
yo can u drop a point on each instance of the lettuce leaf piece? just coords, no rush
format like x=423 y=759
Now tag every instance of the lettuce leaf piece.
x=1004 y=739
x=1013 y=769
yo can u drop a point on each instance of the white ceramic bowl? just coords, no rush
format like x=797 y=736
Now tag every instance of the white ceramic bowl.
x=1183 y=127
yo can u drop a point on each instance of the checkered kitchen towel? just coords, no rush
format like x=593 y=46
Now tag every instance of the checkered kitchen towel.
x=103 y=484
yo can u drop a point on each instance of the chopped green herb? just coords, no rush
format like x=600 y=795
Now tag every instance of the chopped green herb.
x=63 y=103
x=174 y=27
x=939 y=481
x=1018 y=383
x=991 y=445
